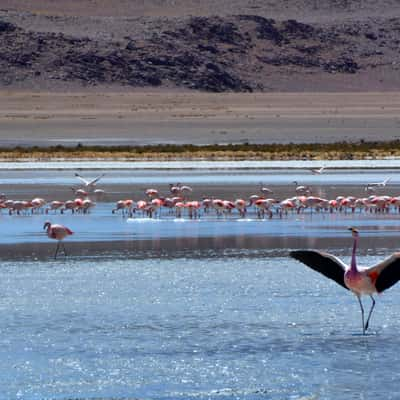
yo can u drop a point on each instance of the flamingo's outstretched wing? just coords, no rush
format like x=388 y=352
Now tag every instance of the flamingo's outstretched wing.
x=95 y=179
x=324 y=263
x=81 y=178
x=386 y=273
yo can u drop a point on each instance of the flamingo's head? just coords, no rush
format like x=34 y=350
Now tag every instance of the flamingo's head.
x=354 y=231
x=47 y=225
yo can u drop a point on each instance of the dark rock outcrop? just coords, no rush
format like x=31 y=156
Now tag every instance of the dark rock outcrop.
x=237 y=53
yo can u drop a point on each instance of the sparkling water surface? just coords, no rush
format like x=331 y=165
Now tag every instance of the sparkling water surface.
x=243 y=322
x=187 y=328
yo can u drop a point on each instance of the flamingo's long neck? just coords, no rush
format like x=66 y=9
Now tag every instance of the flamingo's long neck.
x=353 y=265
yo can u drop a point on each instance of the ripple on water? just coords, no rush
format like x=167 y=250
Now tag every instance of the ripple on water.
x=240 y=327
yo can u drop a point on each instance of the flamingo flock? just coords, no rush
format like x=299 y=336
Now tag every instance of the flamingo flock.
x=155 y=206
x=179 y=203
x=359 y=280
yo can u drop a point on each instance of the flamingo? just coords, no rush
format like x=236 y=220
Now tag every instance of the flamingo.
x=99 y=194
x=174 y=189
x=185 y=190
x=179 y=206
x=372 y=186
x=57 y=232
x=54 y=205
x=89 y=184
x=87 y=204
x=361 y=281
x=68 y=205
x=240 y=205
x=155 y=207
x=37 y=203
x=124 y=206
x=82 y=194
x=207 y=204
x=265 y=190
x=193 y=208
x=302 y=189
x=317 y=171
x=151 y=193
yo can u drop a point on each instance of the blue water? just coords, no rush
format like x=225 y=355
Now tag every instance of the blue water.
x=231 y=317
x=212 y=176
x=102 y=225
x=190 y=328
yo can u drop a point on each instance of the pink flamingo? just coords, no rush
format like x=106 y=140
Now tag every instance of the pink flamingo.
x=123 y=206
x=57 y=232
x=151 y=193
x=185 y=189
x=302 y=189
x=193 y=208
x=37 y=204
x=155 y=207
x=174 y=189
x=54 y=206
x=78 y=202
x=81 y=194
x=228 y=206
x=87 y=204
x=218 y=206
x=68 y=205
x=179 y=206
x=240 y=205
x=286 y=205
x=142 y=206
x=265 y=190
x=361 y=281
x=207 y=204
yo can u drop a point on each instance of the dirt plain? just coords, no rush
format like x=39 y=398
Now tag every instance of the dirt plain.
x=135 y=72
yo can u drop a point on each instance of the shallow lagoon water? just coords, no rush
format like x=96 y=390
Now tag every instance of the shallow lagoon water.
x=228 y=317
x=188 y=328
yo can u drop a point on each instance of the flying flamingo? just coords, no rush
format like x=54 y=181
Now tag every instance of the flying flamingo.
x=89 y=184
x=364 y=280
x=317 y=171
x=372 y=186
x=265 y=190
x=57 y=232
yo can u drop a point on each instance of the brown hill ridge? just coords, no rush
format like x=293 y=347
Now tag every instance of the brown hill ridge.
x=238 y=53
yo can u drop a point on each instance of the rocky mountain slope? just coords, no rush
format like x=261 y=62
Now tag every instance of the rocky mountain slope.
x=241 y=52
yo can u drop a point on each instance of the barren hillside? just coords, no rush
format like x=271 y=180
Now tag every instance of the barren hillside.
x=328 y=45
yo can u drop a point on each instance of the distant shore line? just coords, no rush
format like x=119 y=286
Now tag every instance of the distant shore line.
x=362 y=150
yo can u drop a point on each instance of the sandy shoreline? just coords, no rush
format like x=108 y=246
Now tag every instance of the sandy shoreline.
x=140 y=118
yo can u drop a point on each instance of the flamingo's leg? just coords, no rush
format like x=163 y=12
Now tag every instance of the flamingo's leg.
x=58 y=246
x=362 y=313
x=370 y=312
x=63 y=246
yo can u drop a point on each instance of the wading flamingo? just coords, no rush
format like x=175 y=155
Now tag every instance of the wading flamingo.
x=361 y=280
x=302 y=189
x=57 y=232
